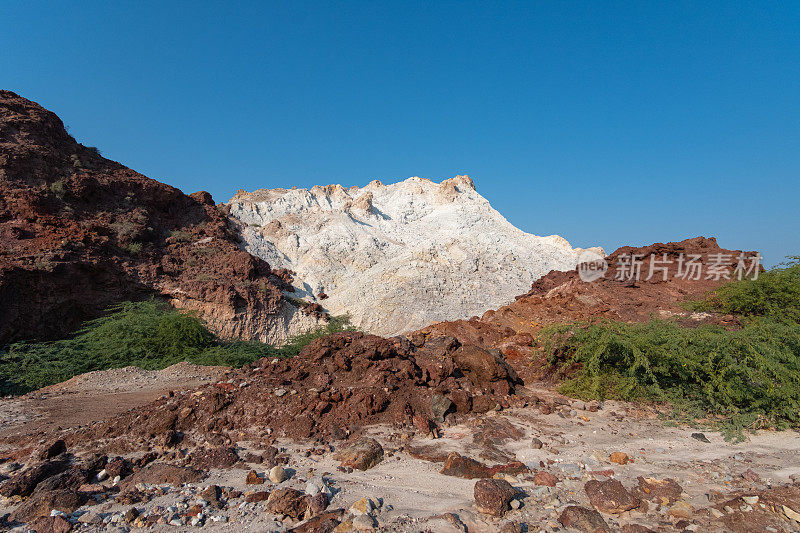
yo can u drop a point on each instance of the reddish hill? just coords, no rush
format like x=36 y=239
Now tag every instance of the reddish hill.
x=565 y=297
x=79 y=233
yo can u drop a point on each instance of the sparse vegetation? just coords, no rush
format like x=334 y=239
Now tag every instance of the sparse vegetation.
x=135 y=248
x=58 y=188
x=748 y=378
x=180 y=235
x=149 y=334
x=94 y=150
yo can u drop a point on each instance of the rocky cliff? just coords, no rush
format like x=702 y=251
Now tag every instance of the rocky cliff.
x=397 y=257
x=79 y=232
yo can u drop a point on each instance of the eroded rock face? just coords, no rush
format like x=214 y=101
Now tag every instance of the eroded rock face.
x=397 y=257
x=79 y=233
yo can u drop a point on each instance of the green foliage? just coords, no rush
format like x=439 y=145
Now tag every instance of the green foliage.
x=58 y=188
x=732 y=380
x=180 y=235
x=134 y=248
x=150 y=335
x=775 y=293
x=334 y=325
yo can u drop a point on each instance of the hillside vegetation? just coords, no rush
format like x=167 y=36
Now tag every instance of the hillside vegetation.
x=746 y=378
x=150 y=335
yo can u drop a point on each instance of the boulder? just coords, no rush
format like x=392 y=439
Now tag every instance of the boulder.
x=610 y=496
x=663 y=491
x=289 y=502
x=464 y=467
x=583 y=519
x=493 y=496
x=361 y=455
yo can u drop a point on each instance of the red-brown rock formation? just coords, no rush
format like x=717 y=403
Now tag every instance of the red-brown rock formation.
x=79 y=232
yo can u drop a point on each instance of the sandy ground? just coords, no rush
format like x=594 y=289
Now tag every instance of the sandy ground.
x=413 y=492
x=96 y=396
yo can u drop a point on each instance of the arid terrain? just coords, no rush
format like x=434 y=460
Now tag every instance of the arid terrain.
x=457 y=426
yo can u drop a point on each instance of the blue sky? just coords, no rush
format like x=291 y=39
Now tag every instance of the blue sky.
x=607 y=123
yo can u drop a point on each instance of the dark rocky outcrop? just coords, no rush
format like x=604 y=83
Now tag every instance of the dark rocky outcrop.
x=79 y=233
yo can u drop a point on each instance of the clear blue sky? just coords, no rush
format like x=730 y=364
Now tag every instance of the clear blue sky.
x=607 y=123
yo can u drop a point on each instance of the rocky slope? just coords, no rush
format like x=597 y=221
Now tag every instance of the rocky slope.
x=397 y=257
x=79 y=233
x=564 y=297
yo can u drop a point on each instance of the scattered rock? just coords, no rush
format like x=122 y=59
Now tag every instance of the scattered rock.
x=254 y=479
x=536 y=444
x=364 y=522
x=610 y=496
x=681 y=509
x=583 y=519
x=289 y=502
x=256 y=496
x=701 y=437
x=621 y=458
x=51 y=524
x=165 y=474
x=464 y=467
x=492 y=496
x=545 y=479
x=278 y=474
x=440 y=406
x=361 y=455
x=663 y=491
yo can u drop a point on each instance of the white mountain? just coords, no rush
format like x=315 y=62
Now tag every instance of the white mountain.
x=397 y=257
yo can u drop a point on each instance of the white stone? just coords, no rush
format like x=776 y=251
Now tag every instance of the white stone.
x=397 y=257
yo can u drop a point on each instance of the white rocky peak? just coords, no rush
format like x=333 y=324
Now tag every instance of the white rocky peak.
x=397 y=257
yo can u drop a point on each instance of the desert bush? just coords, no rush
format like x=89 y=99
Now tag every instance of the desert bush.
x=775 y=293
x=134 y=248
x=150 y=335
x=58 y=188
x=746 y=378
x=180 y=235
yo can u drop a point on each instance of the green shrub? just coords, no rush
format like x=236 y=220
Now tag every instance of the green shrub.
x=58 y=188
x=150 y=335
x=733 y=380
x=775 y=293
x=334 y=325
x=180 y=235
x=135 y=248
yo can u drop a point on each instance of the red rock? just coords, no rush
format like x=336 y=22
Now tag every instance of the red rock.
x=464 y=467
x=165 y=474
x=361 y=455
x=254 y=479
x=583 y=519
x=492 y=496
x=51 y=524
x=289 y=502
x=663 y=491
x=323 y=523
x=621 y=458
x=111 y=233
x=256 y=496
x=610 y=496
x=545 y=479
